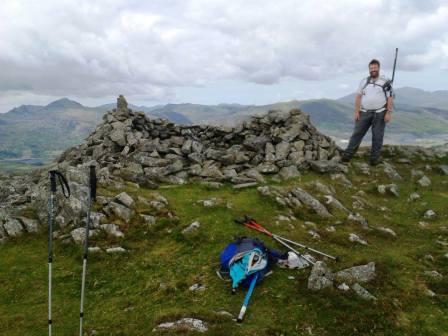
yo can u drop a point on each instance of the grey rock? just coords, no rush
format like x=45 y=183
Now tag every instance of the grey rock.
x=433 y=274
x=79 y=235
x=192 y=227
x=211 y=202
x=245 y=185
x=356 y=239
x=430 y=293
x=281 y=151
x=363 y=293
x=125 y=199
x=311 y=202
x=424 y=181
x=413 y=196
x=254 y=174
x=112 y=230
x=31 y=225
x=342 y=179
x=343 y=287
x=186 y=323
x=212 y=172
x=429 y=214
x=117 y=249
x=333 y=202
x=358 y=219
x=122 y=104
x=13 y=227
x=212 y=185
x=118 y=136
x=443 y=169
x=391 y=172
x=363 y=167
x=325 y=166
x=94 y=249
x=320 y=277
x=388 y=188
x=321 y=188
x=288 y=172
x=148 y=219
x=267 y=168
x=362 y=274
x=197 y=287
x=120 y=211
x=387 y=231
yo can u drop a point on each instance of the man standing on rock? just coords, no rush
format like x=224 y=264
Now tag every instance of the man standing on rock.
x=373 y=107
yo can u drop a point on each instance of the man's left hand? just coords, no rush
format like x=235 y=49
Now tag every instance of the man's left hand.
x=387 y=116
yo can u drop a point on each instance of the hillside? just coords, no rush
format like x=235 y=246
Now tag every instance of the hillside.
x=166 y=209
x=27 y=133
x=43 y=131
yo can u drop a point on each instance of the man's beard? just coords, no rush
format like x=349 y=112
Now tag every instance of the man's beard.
x=374 y=74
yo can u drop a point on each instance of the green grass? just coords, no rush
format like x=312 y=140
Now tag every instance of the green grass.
x=130 y=294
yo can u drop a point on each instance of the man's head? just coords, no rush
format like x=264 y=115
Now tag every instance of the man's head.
x=374 y=68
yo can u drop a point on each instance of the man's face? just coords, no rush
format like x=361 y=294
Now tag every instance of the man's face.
x=374 y=70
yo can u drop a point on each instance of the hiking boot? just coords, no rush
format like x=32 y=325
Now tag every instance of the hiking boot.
x=346 y=158
x=374 y=161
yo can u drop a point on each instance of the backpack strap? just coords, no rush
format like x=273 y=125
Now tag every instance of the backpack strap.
x=367 y=83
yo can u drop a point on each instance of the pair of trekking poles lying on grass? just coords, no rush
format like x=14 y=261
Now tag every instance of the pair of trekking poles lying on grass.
x=55 y=174
x=251 y=223
x=253 y=271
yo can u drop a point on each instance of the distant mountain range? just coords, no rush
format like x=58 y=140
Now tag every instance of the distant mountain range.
x=41 y=132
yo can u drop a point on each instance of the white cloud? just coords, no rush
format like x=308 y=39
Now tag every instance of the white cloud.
x=102 y=48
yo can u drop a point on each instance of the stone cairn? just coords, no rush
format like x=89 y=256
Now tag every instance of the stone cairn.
x=133 y=147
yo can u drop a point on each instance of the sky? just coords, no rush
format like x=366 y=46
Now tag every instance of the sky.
x=214 y=51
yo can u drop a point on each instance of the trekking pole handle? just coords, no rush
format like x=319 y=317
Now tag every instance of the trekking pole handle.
x=239 y=221
x=52 y=181
x=92 y=182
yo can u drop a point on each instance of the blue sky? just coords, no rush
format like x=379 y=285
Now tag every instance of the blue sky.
x=214 y=51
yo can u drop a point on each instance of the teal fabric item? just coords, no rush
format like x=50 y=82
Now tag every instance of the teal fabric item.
x=239 y=269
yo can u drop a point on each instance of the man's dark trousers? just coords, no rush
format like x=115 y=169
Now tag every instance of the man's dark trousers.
x=367 y=119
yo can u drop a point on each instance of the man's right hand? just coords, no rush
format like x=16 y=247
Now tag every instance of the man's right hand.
x=356 y=116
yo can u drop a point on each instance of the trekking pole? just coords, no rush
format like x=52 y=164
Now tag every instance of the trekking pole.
x=251 y=224
x=66 y=191
x=92 y=197
x=307 y=248
x=395 y=64
x=248 y=218
x=247 y=298
x=255 y=225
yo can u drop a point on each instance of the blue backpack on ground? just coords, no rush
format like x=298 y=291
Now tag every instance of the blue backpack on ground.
x=244 y=259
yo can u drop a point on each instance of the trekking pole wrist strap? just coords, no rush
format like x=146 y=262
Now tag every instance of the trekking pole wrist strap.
x=62 y=181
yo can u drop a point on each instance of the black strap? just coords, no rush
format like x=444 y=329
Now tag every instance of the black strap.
x=62 y=181
x=367 y=83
